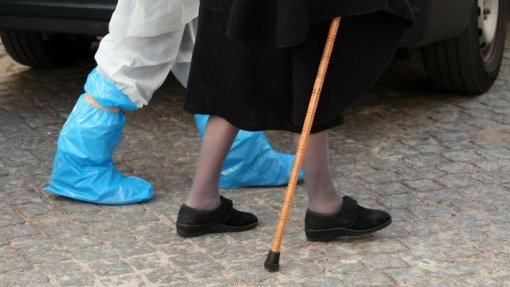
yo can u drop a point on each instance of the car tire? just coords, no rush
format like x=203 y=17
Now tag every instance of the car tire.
x=45 y=50
x=469 y=63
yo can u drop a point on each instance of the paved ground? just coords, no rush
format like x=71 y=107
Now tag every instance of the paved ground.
x=440 y=163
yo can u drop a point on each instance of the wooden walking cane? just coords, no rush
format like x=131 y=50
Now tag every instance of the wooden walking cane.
x=273 y=258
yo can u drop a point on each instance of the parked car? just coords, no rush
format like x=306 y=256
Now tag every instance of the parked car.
x=52 y=33
x=462 y=41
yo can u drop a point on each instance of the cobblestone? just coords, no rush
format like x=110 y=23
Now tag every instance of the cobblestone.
x=384 y=261
x=13 y=264
x=375 y=279
x=34 y=209
x=76 y=279
x=25 y=278
x=322 y=281
x=60 y=268
x=391 y=188
x=49 y=256
x=423 y=185
x=15 y=231
x=9 y=219
x=342 y=266
x=110 y=267
x=439 y=163
x=461 y=252
x=135 y=281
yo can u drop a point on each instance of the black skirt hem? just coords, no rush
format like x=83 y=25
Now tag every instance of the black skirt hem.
x=241 y=123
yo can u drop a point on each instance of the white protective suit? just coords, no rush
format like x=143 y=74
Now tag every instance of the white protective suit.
x=147 y=39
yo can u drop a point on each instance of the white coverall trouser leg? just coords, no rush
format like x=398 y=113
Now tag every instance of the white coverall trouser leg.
x=147 y=39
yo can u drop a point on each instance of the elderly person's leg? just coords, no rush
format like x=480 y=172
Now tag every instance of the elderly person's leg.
x=322 y=196
x=251 y=161
x=218 y=138
x=329 y=214
x=205 y=211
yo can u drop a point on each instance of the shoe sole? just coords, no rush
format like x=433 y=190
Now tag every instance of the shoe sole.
x=330 y=234
x=185 y=230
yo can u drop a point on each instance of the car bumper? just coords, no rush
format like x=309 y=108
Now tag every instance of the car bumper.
x=437 y=20
x=74 y=17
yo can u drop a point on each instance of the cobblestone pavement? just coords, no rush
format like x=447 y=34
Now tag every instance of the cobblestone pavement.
x=439 y=162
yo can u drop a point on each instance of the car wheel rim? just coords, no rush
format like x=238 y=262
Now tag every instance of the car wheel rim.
x=488 y=15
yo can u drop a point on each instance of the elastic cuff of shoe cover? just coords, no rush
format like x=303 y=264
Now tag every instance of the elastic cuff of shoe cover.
x=106 y=93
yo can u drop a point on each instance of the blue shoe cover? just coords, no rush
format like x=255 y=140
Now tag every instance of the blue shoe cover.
x=252 y=161
x=83 y=168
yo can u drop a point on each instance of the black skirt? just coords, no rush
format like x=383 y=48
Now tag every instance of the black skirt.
x=256 y=86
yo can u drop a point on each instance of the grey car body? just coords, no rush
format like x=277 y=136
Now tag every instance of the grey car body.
x=435 y=19
x=462 y=41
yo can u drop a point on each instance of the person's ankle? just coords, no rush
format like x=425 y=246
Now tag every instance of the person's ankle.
x=96 y=104
x=327 y=207
x=203 y=203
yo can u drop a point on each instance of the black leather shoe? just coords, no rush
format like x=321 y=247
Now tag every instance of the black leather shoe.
x=351 y=220
x=225 y=218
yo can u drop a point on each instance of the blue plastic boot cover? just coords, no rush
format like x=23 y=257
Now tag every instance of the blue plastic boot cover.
x=252 y=161
x=83 y=168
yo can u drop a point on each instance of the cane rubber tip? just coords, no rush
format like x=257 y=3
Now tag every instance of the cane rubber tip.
x=272 y=261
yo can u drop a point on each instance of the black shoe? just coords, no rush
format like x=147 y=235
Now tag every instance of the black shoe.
x=225 y=218
x=351 y=220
